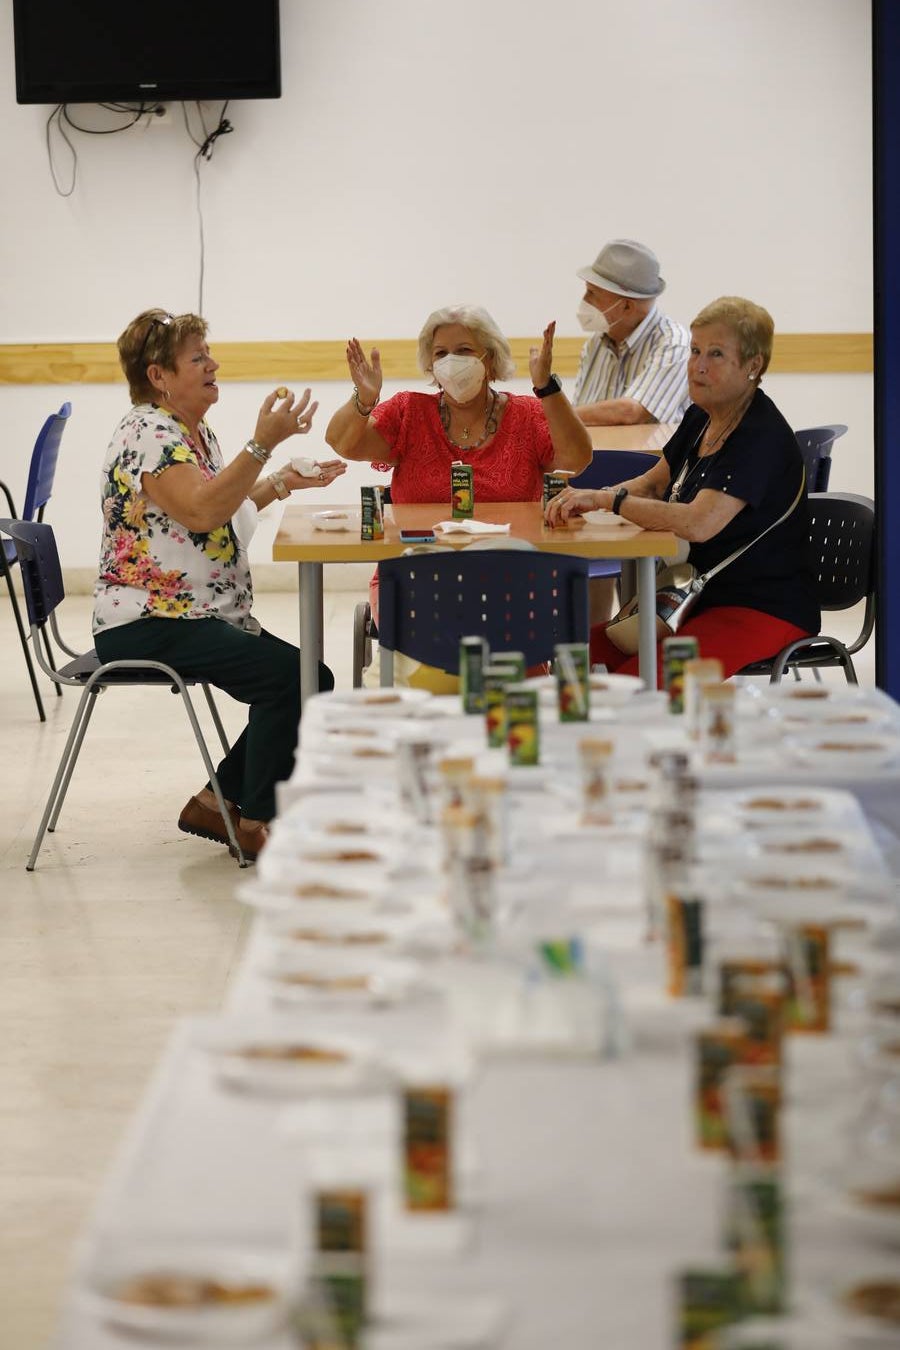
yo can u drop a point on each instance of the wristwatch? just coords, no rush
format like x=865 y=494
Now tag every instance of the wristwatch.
x=279 y=486
x=553 y=386
x=618 y=499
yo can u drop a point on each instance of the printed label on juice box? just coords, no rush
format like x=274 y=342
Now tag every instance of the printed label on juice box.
x=427 y=1149
x=718 y=1049
x=754 y=1232
x=522 y=725
x=462 y=490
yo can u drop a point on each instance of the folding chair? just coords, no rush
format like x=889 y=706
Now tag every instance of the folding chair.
x=842 y=538
x=44 y=591
x=41 y=473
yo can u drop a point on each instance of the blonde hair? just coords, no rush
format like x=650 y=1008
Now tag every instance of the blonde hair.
x=752 y=325
x=155 y=337
x=480 y=325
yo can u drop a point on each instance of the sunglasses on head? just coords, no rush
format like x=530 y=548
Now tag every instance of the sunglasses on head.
x=164 y=321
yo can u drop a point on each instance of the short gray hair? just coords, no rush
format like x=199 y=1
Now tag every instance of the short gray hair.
x=480 y=325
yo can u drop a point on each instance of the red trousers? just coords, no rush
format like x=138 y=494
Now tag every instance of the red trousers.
x=735 y=635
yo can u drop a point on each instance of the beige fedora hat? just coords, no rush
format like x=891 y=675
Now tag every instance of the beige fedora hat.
x=625 y=267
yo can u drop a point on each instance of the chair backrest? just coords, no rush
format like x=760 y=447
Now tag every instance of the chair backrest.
x=815 y=446
x=614 y=466
x=42 y=469
x=842 y=540
x=39 y=563
x=518 y=601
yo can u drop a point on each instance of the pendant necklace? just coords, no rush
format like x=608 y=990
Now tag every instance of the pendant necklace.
x=687 y=473
x=490 y=425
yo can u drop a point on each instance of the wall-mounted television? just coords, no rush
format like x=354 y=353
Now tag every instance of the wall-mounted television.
x=125 y=51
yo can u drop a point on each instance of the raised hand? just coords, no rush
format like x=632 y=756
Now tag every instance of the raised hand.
x=281 y=416
x=365 y=372
x=540 y=359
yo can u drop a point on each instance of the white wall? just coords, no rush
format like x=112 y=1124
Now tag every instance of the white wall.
x=424 y=153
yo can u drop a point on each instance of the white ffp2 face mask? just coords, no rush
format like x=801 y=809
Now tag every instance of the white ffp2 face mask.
x=459 y=376
x=594 y=320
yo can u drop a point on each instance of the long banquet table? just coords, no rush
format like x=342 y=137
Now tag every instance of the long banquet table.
x=299 y=540
x=581 y=1192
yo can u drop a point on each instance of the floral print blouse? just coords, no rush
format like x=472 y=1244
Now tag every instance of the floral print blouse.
x=151 y=566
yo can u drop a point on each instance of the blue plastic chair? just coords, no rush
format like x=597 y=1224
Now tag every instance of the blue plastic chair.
x=523 y=601
x=44 y=591
x=41 y=473
x=815 y=446
x=608 y=467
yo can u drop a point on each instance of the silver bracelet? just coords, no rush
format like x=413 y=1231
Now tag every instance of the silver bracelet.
x=259 y=452
x=363 y=411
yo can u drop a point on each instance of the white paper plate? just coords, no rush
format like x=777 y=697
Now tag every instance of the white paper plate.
x=240 y=1058
x=393 y=701
x=843 y=750
x=784 y=806
x=341 y=976
x=336 y=521
x=605 y=689
x=250 y=1323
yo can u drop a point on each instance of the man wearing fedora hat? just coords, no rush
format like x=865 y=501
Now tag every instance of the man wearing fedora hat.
x=634 y=364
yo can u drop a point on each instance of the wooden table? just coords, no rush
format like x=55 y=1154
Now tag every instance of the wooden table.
x=299 y=541
x=647 y=436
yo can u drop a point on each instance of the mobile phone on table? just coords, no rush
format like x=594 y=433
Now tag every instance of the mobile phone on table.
x=417 y=536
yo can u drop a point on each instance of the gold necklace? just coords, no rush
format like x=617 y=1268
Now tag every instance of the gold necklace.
x=490 y=424
x=711 y=441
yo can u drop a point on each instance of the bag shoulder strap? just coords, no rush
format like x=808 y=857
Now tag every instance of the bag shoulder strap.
x=732 y=557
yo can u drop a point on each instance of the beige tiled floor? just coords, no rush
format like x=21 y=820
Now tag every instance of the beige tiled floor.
x=125 y=926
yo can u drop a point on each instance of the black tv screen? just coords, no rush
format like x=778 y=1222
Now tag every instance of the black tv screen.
x=145 y=51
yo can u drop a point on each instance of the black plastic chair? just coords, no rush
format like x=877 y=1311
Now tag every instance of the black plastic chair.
x=44 y=591
x=842 y=536
x=41 y=473
x=815 y=446
x=519 y=600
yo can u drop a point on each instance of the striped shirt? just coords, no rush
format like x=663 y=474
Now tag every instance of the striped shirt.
x=649 y=366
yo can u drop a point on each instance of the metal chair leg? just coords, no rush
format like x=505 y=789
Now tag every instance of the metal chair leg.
x=63 y=775
x=23 y=638
x=217 y=721
x=79 y=726
x=213 y=779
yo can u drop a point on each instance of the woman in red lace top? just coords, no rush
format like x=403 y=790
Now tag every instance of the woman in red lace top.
x=509 y=439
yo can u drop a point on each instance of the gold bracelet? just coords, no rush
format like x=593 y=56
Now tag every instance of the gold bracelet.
x=279 y=486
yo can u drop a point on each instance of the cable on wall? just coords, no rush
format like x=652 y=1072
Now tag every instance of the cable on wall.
x=60 y=121
x=205 y=149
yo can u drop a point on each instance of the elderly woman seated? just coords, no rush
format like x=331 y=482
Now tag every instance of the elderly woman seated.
x=510 y=440
x=174 y=583
x=731 y=475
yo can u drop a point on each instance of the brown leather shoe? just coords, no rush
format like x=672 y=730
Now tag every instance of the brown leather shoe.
x=198 y=819
x=252 y=842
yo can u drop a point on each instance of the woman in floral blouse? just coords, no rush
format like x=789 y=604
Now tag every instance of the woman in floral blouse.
x=174 y=583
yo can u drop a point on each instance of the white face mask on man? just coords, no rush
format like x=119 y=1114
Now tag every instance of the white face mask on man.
x=460 y=376
x=594 y=320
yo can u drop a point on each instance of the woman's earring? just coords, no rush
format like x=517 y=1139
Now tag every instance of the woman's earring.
x=166 y=395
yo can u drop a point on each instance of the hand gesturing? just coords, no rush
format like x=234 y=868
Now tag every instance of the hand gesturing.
x=540 y=359
x=365 y=373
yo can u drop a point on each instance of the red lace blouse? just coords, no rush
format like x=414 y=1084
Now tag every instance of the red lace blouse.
x=509 y=469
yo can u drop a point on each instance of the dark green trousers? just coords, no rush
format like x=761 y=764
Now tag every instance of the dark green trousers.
x=262 y=671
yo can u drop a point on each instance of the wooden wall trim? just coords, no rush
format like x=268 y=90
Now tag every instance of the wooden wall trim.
x=309 y=362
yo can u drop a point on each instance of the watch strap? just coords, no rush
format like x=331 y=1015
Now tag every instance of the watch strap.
x=618 y=499
x=553 y=386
